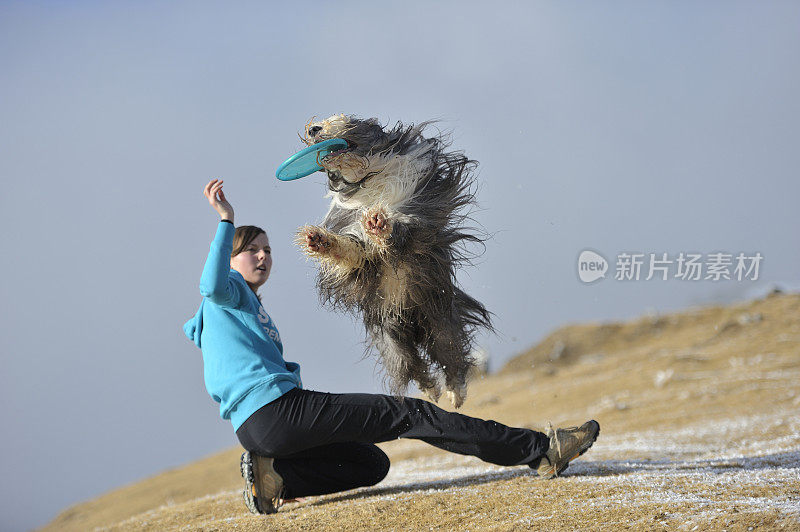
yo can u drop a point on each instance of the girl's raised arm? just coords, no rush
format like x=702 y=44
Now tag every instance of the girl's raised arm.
x=215 y=283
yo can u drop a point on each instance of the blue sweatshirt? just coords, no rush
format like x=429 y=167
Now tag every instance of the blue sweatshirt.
x=242 y=350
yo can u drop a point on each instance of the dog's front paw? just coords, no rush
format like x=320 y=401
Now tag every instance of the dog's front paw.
x=314 y=241
x=330 y=249
x=377 y=225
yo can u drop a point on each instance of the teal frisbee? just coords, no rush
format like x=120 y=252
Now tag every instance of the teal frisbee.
x=306 y=161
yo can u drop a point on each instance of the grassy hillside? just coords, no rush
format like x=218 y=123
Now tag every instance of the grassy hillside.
x=700 y=416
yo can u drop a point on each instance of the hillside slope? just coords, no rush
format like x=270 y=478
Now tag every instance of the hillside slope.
x=700 y=413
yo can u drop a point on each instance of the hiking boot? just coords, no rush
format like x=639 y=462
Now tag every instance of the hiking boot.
x=264 y=487
x=565 y=446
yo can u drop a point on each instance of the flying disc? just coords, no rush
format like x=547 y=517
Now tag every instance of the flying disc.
x=306 y=161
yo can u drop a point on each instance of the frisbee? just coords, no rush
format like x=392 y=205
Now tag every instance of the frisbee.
x=306 y=161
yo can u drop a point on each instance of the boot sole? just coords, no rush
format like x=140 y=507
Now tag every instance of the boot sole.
x=553 y=474
x=251 y=499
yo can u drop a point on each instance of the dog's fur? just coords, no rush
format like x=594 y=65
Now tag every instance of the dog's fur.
x=390 y=245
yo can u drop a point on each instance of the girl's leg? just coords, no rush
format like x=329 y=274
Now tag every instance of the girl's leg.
x=301 y=419
x=332 y=468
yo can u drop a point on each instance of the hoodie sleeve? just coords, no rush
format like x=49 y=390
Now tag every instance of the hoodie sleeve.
x=215 y=283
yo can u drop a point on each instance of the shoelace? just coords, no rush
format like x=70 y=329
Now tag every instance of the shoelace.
x=553 y=435
x=278 y=500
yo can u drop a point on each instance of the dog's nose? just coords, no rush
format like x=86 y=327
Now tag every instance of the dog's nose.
x=314 y=130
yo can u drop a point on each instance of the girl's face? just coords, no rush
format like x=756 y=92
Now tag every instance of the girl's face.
x=254 y=262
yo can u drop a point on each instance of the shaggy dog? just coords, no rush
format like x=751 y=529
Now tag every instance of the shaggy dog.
x=390 y=245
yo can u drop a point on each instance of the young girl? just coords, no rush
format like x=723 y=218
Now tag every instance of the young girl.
x=300 y=442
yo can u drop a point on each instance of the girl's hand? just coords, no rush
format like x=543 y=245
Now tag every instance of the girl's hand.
x=220 y=204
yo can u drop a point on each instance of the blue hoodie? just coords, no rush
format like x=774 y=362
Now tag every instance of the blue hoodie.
x=242 y=350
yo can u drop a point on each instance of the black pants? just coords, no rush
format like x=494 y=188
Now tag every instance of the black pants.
x=323 y=442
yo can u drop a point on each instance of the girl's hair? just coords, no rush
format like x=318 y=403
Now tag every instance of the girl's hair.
x=241 y=239
x=243 y=236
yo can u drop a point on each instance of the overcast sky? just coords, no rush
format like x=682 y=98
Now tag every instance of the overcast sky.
x=627 y=127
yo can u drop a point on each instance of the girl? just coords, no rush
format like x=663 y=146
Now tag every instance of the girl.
x=300 y=442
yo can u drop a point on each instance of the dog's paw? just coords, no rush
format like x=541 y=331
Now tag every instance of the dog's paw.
x=433 y=393
x=314 y=241
x=377 y=225
x=456 y=397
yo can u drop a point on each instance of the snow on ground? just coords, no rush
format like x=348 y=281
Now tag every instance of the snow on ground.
x=709 y=466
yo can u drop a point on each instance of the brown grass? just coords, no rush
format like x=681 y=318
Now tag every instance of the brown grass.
x=701 y=431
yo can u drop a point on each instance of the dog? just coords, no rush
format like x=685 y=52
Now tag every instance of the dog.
x=390 y=245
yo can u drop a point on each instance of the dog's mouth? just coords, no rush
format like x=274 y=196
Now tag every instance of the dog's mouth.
x=350 y=144
x=336 y=181
x=335 y=175
x=349 y=148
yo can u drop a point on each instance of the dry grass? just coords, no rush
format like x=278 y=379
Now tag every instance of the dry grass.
x=701 y=431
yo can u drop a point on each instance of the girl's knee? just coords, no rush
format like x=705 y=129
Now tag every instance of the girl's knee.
x=379 y=466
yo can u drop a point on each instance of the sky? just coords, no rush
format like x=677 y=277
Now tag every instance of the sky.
x=621 y=128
